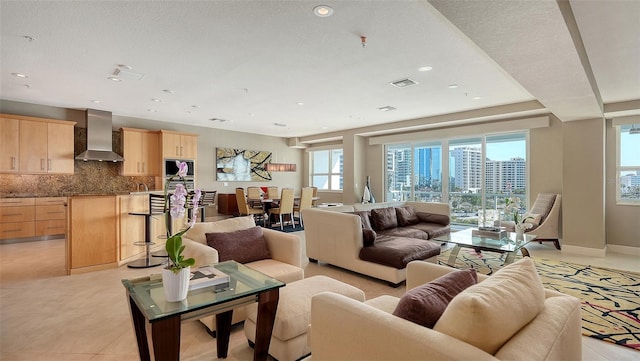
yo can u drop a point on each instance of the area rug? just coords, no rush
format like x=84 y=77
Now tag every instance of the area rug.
x=610 y=298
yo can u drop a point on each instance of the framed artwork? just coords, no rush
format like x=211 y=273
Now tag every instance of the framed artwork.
x=242 y=165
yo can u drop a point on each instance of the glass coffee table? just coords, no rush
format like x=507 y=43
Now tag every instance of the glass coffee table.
x=157 y=322
x=509 y=244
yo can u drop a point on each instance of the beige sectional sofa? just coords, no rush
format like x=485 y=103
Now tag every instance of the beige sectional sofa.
x=334 y=235
x=287 y=255
x=511 y=319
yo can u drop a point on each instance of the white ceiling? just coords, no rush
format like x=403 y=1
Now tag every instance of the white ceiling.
x=252 y=62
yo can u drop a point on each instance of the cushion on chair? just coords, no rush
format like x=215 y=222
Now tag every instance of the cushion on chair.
x=442 y=219
x=488 y=314
x=533 y=218
x=406 y=216
x=383 y=218
x=543 y=204
x=425 y=304
x=243 y=246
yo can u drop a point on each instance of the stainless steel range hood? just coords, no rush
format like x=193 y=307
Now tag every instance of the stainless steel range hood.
x=99 y=143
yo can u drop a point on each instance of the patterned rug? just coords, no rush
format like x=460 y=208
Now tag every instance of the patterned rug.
x=610 y=298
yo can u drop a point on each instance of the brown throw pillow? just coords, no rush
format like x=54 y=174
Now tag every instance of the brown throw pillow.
x=364 y=218
x=383 y=218
x=425 y=304
x=243 y=246
x=433 y=218
x=368 y=237
x=406 y=216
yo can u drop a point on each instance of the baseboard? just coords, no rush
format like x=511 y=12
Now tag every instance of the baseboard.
x=633 y=251
x=585 y=251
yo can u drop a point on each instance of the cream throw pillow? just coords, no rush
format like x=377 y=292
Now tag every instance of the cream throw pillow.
x=488 y=314
x=535 y=218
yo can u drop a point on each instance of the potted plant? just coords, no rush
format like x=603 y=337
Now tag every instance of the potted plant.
x=175 y=277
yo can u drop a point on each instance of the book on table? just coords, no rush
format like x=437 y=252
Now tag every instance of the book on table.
x=207 y=276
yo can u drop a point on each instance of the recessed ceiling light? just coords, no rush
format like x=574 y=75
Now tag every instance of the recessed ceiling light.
x=195 y=106
x=27 y=86
x=20 y=75
x=168 y=91
x=425 y=68
x=279 y=124
x=151 y=110
x=453 y=86
x=156 y=100
x=386 y=108
x=300 y=103
x=95 y=101
x=29 y=37
x=324 y=127
x=114 y=79
x=476 y=98
x=323 y=11
x=219 y=120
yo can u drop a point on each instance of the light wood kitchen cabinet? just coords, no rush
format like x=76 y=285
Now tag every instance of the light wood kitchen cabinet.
x=141 y=149
x=179 y=145
x=92 y=232
x=33 y=147
x=50 y=216
x=17 y=218
x=9 y=146
x=36 y=146
x=60 y=148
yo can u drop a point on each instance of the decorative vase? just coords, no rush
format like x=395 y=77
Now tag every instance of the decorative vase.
x=176 y=285
x=367 y=196
x=519 y=231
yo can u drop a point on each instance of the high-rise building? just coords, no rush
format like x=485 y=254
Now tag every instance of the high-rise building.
x=501 y=173
x=467 y=168
x=428 y=164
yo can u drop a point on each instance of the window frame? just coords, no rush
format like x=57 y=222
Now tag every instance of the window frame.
x=620 y=168
x=330 y=174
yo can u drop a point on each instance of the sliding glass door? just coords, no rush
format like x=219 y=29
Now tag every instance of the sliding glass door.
x=482 y=170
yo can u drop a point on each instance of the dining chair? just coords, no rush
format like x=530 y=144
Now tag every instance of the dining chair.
x=314 y=199
x=245 y=210
x=253 y=196
x=285 y=207
x=305 y=202
x=272 y=192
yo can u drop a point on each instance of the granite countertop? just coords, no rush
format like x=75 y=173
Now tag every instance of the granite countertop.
x=100 y=194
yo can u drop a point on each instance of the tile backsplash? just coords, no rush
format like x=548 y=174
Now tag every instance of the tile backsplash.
x=90 y=177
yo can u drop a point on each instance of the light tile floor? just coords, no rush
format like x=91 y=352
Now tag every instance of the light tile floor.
x=46 y=315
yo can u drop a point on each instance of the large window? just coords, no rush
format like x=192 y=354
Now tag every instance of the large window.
x=414 y=172
x=482 y=172
x=629 y=163
x=326 y=169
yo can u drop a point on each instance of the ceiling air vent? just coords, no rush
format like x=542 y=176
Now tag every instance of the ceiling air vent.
x=404 y=83
x=387 y=108
x=123 y=73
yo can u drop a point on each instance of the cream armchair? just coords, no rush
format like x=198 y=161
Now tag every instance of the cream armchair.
x=286 y=263
x=547 y=205
x=345 y=329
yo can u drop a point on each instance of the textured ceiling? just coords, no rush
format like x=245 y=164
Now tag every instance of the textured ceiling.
x=252 y=62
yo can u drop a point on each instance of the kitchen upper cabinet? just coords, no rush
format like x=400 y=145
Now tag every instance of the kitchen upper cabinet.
x=33 y=147
x=179 y=145
x=36 y=145
x=141 y=152
x=9 y=146
x=60 y=148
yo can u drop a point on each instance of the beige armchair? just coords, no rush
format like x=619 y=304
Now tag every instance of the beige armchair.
x=547 y=205
x=287 y=255
x=345 y=329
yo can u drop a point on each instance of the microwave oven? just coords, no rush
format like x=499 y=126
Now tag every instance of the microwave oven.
x=171 y=168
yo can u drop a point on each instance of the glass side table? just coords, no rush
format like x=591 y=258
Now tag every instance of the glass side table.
x=150 y=311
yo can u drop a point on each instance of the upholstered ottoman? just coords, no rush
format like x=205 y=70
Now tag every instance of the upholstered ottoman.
x=289 y=337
